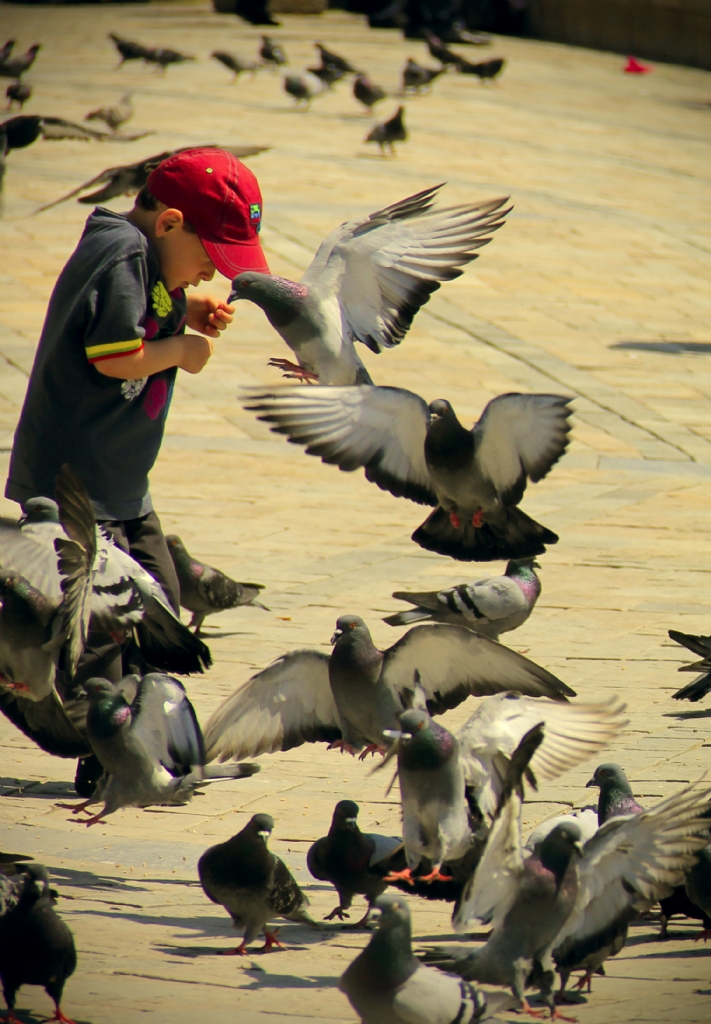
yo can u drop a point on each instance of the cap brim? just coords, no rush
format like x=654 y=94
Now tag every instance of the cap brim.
x=235 y=258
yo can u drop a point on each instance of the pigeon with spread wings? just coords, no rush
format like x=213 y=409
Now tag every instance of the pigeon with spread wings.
x=351 y=697
x=475 y=478
x=367 y=281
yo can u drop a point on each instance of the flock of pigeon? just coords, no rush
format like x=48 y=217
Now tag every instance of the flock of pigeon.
x=562 y=900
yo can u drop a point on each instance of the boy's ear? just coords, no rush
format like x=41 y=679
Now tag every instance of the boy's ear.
x=168 y=220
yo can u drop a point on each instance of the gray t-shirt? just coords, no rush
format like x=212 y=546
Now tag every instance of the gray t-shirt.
x=108 y=300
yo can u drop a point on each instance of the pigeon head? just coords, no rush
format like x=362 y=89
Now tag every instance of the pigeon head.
x=560 y=845
x=441 y=407
x=176 y=548
x=390 y=950
x=616 y=797
x=40 y=510
x=345 y=815
x=424 y=744
x=280 y=298
x=350 y=628
x=37 y=877
x=261 y=825
x=522 y=565
x=98 y=689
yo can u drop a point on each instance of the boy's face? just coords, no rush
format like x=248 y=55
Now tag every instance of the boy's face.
x=183 y=260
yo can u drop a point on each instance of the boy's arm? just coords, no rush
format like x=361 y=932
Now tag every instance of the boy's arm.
x=189 y=352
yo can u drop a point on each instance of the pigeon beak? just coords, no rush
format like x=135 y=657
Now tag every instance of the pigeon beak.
x=592 y=784
x=264 y=835
x=351 y=821
x=579 y=847
x=336 y=636
x=232 y=297
x=396 y=734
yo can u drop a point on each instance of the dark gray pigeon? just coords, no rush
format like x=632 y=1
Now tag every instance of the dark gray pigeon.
x=36 y=946
x=204 y=590
x=698 y=688
x=485 y=70
x=386 y=984
x=355 y=862
x=335 y=60
x=367 y=281
x=271 y=52
x=490 y=606
x=163 y=57
x=115 y=116
x=367 y=92
x=389 y=132
x=151 y=749
x=237 y=65
x=351 y=697
x=6 y=49
x=303 y=88
x=475 y=478
x=328 y=74
x=18 y=93
x=15 y=67
x=252 y=884
x=416 y=77
x=616 y=796
x=127 y=49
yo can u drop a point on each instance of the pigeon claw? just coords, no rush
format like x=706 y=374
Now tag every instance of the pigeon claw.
x=478 y=518
x=75 y=808
x=293 y=371
x=240 y=950
x=557 y=1015
x=59 y=1016
x=17 y=687
x=434 y=876
x=400 y=876
x=271 y=942
x=455 y=520
x=372 y=748
x=585 y=980
x=704 y=934
x=343 y=747
x=527 y=1008
x=338 y=912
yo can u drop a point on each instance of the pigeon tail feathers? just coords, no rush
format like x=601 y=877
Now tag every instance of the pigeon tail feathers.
x=518 y=537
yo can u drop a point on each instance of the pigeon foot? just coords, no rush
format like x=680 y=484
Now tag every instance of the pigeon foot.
x=585 y=980
x=17 y=687
x=240 y=950
x=434 y=876
x=455 y=520
x=293 y=371
x=527 y=1008
x=562 y=998
x=372 y=748
x=704 y=934
x=338 y=912
x=271 y=942
x=75 y=808
x=59 y=1016
x=478 y=518
x=400 y=876
x=342 y=746
x=557 y=1015
x=11 y=1018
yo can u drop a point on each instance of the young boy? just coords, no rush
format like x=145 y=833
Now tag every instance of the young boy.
x=113 y=340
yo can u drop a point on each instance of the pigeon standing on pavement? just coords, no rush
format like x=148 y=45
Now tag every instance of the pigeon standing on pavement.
x=367 y=92
x=237 y=65
x=272 y=53
x=327 y=74
x=351 y=697
x=354 y=862
x=15 y=67
x=18 y=92
x=367 y=281
x=474 y=478
x=36 y=946
x=335 y=60
x=389 y=132
x=417 y=77
x=616 y=796
x=698 y=688
x=485 y=70
x=127 y=49
x=252 y=884
x=163 y=57
x=386 y=984
x=204 y=590
x=490 y=606
x=303 y=88
x=116 y=116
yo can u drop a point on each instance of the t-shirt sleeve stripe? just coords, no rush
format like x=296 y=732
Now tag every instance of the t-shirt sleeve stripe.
x=112 y=349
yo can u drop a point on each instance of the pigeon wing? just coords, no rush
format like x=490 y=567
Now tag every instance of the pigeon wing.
x=380 y=429
x=286 y=704
x=46 y=722
x=453 y=663
x=165 y=723
x=520 y=437
x=430 y=997
x=30 y=551
x=58 y=128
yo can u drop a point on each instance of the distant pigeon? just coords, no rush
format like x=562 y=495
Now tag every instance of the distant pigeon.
x=271 y=52
x=385 y=984
x=389 y=132
x=36 y=946
x=15 y=67
x=490 y=606
x=474 y=478
x=128 y=50
x=252 y=884
x=417 y=77
x=440 y=52
x=367 y=92
x=151 y=749
x=204 y=590
x=616 y=797
x=335 y=60
x=350 y=698
x=698 y=688
x=237 y=65
x=355 y=862
x=116 y=116
x=24 y=129
x=328 y=74
x=303 y=88
x=6 y=49
x=129 y=178
x=18 y=93
x=367 y=281
x=486 y=70
x=256 y=12
x=163 y=57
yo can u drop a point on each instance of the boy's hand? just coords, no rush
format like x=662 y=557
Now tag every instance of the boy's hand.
x=196 y=352
x=208 y=315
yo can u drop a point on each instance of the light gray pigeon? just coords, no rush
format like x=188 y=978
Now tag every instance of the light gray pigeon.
x=350 y=698
x=367 y=281
x=475 y=478
x=490 y=606
x=151 y=749
x=585 y=818
x=386 y=984
x=237 y=65
x=114 y=116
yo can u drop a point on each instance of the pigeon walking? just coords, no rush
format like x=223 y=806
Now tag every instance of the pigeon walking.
x=386 y=984
x=616 y=796
x=440 y=52
x=237 y=65
x=164 y=57
x=151 y=749
x=367 y=281
x=15 y=67
x=204 y=590
x=354 y=862
x=416 y=77
x=252 y=884
x=127 y=49
x=485 y=70
x=389 y=132
x=335 y=60
x=350 y=698
x=698 y=688
x=116 y=116
x=36 y=946
x=367 y=92
x=304 y=88
x=18 y=93
x=327 y=74
x=490 y=606
x=474 y=478
x=272 y=53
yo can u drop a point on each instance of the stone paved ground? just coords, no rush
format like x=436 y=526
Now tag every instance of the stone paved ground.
x=597 y=287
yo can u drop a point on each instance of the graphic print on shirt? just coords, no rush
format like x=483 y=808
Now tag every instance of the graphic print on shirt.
x=132 y=388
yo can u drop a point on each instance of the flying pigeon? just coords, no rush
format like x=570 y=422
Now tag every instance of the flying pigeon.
x=115 y=116
x=367 y=281
x=354 y=862
x=490 y=606
x=389 y=132
x=304 y=88
x=151 y=749
x=129 y=178
x=256 y=12
x=271 y=52
x=204 y=590
x=417 y=77
x=36 y=946
x=698 y=688
x=386 y=984
x=252 y=884
x=485 y=70
x=15 y=67
x=24 y=129
x=367 y=92
x=127 y=49
x=351 y=697
x=19 y=93
x=335 y=60
x=237 y=65
x=475 y=478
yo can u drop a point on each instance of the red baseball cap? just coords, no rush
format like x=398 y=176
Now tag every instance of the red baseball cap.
x=220 y=197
